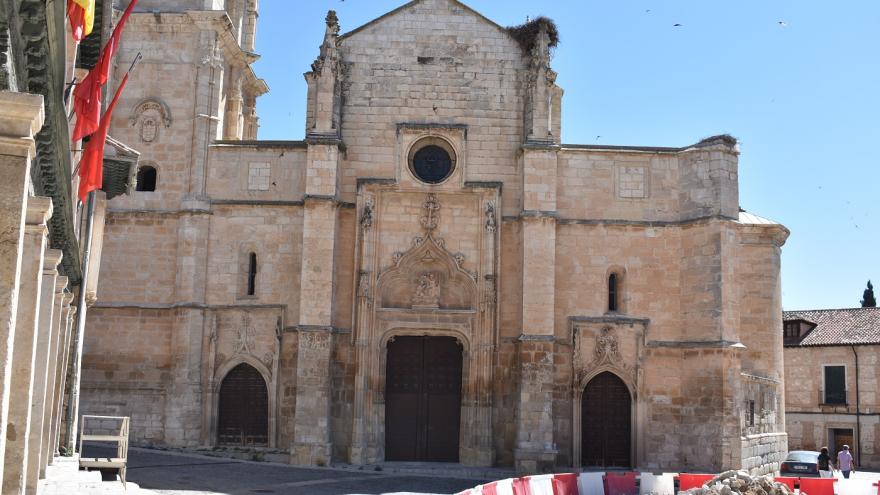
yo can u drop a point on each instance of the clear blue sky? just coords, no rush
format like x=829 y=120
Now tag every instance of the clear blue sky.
x=803 y=97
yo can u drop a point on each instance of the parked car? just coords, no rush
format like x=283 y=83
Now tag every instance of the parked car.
x=804 y=463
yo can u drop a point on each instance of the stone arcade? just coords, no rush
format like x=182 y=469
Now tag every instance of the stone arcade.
x=431 y=274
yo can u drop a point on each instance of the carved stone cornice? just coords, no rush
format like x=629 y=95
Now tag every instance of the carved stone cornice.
x=42 y=54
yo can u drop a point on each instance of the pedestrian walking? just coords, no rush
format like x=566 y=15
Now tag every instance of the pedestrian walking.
x=826 y=467
x=845 y=461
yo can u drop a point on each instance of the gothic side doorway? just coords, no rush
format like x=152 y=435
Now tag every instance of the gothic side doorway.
x=423 y=399
x=606 y=408
x=243 y=412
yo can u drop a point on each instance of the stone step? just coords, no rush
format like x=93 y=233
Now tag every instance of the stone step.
x=63 y=477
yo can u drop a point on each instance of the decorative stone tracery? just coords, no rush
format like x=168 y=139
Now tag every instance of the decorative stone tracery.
x=425 y=290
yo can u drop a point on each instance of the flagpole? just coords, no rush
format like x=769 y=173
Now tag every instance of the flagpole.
x=73 y=404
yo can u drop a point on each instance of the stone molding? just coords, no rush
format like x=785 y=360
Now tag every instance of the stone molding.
x=539 y=214
x=147 y=104
x=535 y=338
x=403 y=127
x=472 y=184
x=51 y=259
x=39 y=211
x=21 y=118
x=612 y=319
x=695 y=344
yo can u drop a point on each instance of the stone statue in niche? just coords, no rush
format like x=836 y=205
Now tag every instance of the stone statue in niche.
x=149 y=129
x=427 y=293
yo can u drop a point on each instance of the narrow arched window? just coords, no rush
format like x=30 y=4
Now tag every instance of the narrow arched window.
x=146 y=178
x=252 y=274
x=613 y=290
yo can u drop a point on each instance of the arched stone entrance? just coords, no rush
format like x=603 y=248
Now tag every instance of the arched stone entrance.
x=243 y=412
x=423 y=399
x=606 y=422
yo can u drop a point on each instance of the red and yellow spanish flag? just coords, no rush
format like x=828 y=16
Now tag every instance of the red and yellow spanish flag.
x=82 y=17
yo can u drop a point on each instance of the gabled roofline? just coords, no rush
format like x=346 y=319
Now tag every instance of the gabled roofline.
x=414 y=2
x=826 y=309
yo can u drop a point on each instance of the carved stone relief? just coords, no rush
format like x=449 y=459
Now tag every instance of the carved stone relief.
x=491 y=222
x=367 y=215
x=427 y=292
x=149 y=129
x=607 y=347
x=428 y=276
x=147 y=115
x=432 y=214
x=245 y=339
x=363 y=284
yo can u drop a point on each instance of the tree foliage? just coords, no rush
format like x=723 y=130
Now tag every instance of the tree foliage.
x=868 y=300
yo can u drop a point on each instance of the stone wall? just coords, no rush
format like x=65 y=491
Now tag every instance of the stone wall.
x=521 y=238
x=809 y=423
x=462 y=71
x=763 y=454
x=35 y=301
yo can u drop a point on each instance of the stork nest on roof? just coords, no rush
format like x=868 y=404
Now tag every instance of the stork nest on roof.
x=725 y=139
x=527 y=34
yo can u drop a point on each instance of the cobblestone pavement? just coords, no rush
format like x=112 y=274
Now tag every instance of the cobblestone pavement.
x=171 y=473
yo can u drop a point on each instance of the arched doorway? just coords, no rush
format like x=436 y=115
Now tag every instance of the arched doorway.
x=606 y=409
x=243 y=412
x=423 y=399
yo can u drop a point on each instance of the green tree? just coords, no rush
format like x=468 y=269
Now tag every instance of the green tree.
x=868 y=300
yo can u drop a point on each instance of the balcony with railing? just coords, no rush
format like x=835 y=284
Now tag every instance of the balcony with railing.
x=834 y=397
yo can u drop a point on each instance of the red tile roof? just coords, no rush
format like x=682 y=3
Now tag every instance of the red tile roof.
x=839 y=326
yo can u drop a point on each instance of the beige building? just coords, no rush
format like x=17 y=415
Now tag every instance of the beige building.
x=832 y=362
x=42 y=233
x=430 y=274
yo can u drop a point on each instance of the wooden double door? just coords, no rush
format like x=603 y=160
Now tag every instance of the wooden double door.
x=423 y=399
x=606 y=409
x=243 y=415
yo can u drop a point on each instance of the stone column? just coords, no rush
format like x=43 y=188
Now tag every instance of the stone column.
x=47 y=449
x=27 y=327
x=249 y=34
x=312 y=428
x=21 y=116
x=68 y=314
x=43 y=354
x=234 y=119
x=183 y=424
x=535 y=450
x=311 y=433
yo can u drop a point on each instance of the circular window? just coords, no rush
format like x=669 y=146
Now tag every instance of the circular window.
x=432 y=160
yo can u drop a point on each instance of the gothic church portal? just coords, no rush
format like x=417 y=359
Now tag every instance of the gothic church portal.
x=430 y=274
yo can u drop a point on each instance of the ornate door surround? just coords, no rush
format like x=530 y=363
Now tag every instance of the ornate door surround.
x=425 y=290
x=612 y=344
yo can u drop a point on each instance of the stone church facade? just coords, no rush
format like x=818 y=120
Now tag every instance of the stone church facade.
x=430 y=274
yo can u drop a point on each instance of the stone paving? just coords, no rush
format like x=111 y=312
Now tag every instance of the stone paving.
x=155 y=472
x=173 y=473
